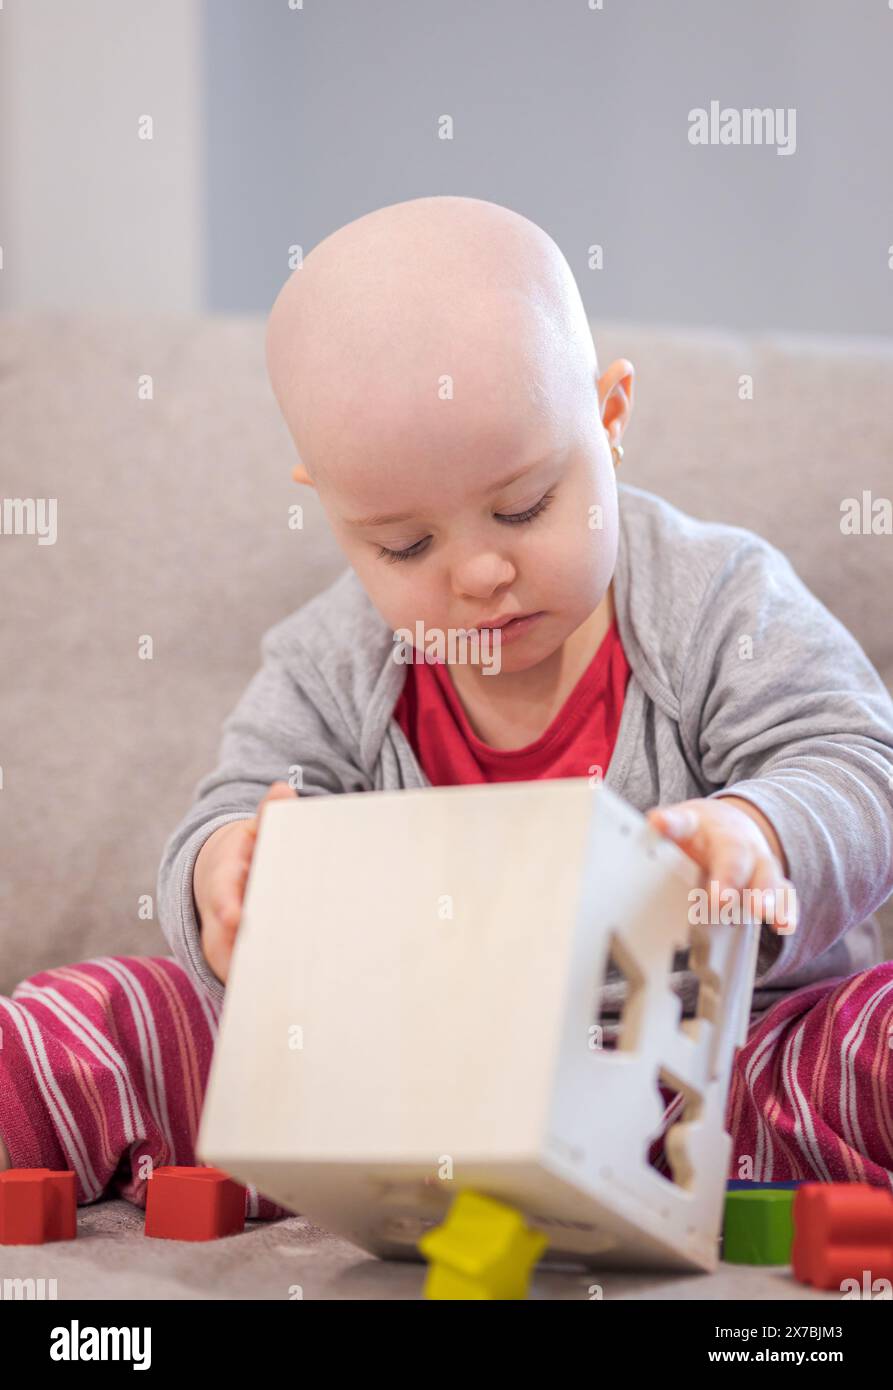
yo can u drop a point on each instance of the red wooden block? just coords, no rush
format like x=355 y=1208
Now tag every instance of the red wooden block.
x=37 y=1205
x=193 y=1204
x=842 y=1231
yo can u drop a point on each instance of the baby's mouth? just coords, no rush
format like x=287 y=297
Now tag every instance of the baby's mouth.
x=500 y=622
x=508 y=626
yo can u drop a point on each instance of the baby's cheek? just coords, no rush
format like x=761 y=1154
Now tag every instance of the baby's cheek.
x=406 y=598
x=580 y=567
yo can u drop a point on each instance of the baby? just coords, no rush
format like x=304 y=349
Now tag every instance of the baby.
x=436 y=370
x=435 y=367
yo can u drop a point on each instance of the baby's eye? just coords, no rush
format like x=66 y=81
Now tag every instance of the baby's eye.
x=390 y=555
x=511 y=519
x=514 y=518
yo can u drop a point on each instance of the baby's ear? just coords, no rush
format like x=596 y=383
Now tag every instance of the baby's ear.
x=300 y=475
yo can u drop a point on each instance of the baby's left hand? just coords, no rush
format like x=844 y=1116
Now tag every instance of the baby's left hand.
x=734 y=850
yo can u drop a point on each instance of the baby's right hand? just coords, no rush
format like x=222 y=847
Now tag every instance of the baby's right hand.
x=218 y=882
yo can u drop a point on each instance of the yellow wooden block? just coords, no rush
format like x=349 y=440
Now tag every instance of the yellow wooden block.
x=483 y=1250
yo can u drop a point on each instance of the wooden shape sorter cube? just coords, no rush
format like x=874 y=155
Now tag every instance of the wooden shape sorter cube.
x=410 y=1012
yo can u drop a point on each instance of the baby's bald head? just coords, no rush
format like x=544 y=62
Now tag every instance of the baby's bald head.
x=441 y=298
x=435 y=367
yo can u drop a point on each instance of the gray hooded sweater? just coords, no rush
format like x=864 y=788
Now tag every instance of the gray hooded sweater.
x=795 y=721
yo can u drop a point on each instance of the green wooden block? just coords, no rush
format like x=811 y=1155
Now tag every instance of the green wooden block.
x=758 y=1228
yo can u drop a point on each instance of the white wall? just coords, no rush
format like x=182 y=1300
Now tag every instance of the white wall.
x=91 y=216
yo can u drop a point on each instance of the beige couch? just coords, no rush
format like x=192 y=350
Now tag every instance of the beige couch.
x=174 y=525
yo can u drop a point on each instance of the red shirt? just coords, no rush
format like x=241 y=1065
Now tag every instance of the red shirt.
x=579 y=740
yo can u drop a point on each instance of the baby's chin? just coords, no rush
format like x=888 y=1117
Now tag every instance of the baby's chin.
x=522 y=648
x=546 y=638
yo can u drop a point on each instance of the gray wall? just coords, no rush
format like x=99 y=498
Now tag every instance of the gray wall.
x=577 y=118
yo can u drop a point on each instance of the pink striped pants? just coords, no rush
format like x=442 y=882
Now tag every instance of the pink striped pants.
x=103 y=1067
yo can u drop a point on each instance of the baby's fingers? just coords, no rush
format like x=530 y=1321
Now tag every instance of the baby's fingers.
x=777 y=897
x=279 y=791
x=732 y=863
x=684 y=827
x=230 y=877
